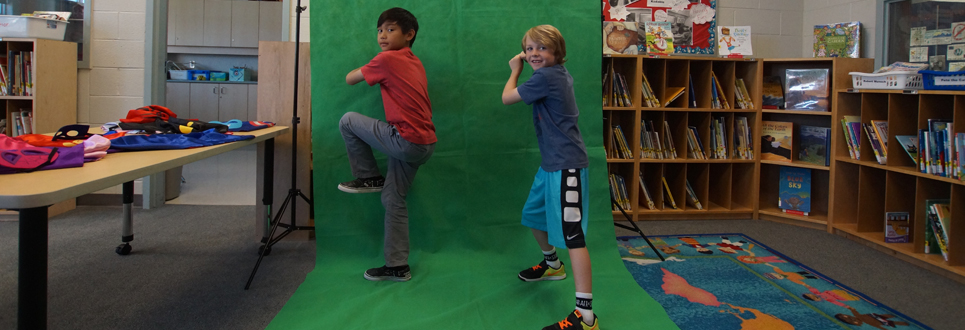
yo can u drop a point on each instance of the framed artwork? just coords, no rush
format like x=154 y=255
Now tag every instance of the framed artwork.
x=693 y=22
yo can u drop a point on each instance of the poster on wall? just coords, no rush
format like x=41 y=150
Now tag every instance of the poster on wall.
x=692 y=22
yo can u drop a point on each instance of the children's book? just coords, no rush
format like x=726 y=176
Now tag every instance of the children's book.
x=910 y=144
x=671 y=94
x=795 y=189
x=807 y=89
x=734 y=40
x=692 y=94
x=621 y=38
x=851 y=126
x=692 y=196
x=773 y=93
x=937 y=213
x=897 y=227
x=666 y=190
x=776 y=138
x=815 y=144
x=646 y=194
x=659 y=38
x=837 y=40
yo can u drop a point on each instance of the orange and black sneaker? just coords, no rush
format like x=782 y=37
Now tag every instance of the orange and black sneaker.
x=543 y=272
x=574 y=321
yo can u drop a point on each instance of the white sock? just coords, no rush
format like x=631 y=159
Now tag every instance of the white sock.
x=586 y=300
x=551 y=259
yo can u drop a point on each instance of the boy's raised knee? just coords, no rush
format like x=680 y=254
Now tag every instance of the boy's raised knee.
x=346 y=119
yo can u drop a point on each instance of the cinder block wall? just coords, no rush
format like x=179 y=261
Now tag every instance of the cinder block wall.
x=775 y=24
x=115 y=81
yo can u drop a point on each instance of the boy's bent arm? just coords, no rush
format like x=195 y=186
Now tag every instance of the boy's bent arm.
x=354 y=77
x=510 y=94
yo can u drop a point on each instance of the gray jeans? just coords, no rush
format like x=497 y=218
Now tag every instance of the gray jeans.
x=361 y=134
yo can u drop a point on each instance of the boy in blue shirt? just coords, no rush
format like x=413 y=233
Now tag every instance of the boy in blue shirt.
x=556 y=207
x=407 y=135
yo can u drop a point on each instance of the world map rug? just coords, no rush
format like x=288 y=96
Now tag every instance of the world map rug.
x=731 y=282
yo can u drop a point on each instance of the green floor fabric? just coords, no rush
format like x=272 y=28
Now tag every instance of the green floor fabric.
x=466 y=241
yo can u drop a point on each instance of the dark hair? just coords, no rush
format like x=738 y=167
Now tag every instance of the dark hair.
x=403 y=18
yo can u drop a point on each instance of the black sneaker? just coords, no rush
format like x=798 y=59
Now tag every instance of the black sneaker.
x=543 y=272
x=363 y=185
x=574 y=321
x=397 y=274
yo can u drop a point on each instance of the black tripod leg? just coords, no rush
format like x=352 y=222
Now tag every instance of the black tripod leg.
x=637 y=229
x=265 y=248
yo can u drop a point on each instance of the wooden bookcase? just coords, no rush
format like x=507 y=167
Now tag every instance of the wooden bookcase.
x=863 y=190
x=54 y=103
x=838 y=69
x=724 y=187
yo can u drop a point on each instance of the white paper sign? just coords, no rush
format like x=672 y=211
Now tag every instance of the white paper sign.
x=958 y=32
x=619 y=13
x=956 y=52
x=680 y=4
x=956 y=66
x=917 y=36
x=660 y=3
x=938 y=37
x=701 y=13
x=918 y=54
x=661 y=16
x=950 y=80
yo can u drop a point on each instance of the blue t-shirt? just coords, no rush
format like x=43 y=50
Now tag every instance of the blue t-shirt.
x=555 y=115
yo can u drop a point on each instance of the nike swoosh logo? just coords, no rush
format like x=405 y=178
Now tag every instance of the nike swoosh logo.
x=571 y=237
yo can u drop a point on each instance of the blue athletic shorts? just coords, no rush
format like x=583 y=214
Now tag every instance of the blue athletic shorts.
x=557 y=204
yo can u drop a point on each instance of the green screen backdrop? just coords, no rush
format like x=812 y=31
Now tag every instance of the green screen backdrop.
x=467 y=244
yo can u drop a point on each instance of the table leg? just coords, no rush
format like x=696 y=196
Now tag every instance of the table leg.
x=32 y=305
x=127 y=225
x=269 y=185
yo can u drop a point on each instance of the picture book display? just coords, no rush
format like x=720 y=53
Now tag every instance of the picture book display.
x=776 y=138
x=691 y=23
x=910 y=144
x=807 y=89
x=773 y=93
x=659 y=38
x=815 y=145
x=622 y=38
x=734 y=40
x=794 y=192
x=897 y=227
x=837 y=40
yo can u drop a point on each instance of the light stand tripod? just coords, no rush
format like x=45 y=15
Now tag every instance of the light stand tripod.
x=294 y=193
x=635 y=228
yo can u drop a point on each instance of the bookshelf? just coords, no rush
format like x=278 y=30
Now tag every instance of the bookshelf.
x=896 y=186
x=54 y=102
x=838 y=69
x=720 y=185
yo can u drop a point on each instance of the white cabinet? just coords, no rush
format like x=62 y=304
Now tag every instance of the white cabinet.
x=223 y=23
x=212 y=101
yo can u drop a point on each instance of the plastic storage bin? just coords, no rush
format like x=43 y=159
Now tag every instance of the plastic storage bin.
x=179 y=74
x=12 y=26
x=199 y=74
x=219 y=76
x=887 y=80
x=239 y=74
x=941 y=80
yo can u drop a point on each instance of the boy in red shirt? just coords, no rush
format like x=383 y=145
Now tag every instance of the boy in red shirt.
x=407 y=136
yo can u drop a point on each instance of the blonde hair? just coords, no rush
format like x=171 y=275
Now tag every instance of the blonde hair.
x=548 y=36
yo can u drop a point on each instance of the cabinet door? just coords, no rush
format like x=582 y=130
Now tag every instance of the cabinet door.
x=204 y=101
x=269 y=22
x=217 y=23
x=173 y=21
x=252 y=102
x=234 y=102
x=178 y=99
x=190 y=22
x=244 y=24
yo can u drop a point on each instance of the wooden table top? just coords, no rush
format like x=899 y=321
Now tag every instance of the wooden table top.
x=42 y=188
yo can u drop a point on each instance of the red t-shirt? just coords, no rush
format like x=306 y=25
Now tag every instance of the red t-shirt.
x=405 y=96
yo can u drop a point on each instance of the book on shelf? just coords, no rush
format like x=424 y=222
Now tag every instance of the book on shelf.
x=718 y=100
x=837 y=40
x=897 y=227
x=851 y=126
x=734 y=40
x=650 y=144
x=667 y=194
x=693 y=94
x=807 y=90
x=773 y=93
x=659 y=38
x=881 y=130
x=26 y=119
x=3 y=126
x=692 y=196
x=776 y=140
x=671 y=94
x=718 y=138
x=670 y=152
x=744 y=100
x=646 y=194
x=876 y=145
x=938 y=216
x=694 y=145
x=17 y=124
x=794 y=191
x=618 y=190
x=743 y=139
x=619 y=143
x=910 y=144
x=649 y=98
x=815 y=145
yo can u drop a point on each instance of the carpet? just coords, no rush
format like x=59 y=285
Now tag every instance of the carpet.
x=730 y=281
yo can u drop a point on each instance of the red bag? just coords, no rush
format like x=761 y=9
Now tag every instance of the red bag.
x=148 y=114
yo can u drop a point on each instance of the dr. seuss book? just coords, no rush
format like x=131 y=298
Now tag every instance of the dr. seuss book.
x=795 y=190
x=807 y=89
x=776 y=138
x=896 y=227
x=734 y=40
x=621 y=38
x=815 y=144
x=659 y=38
x=837 y=40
